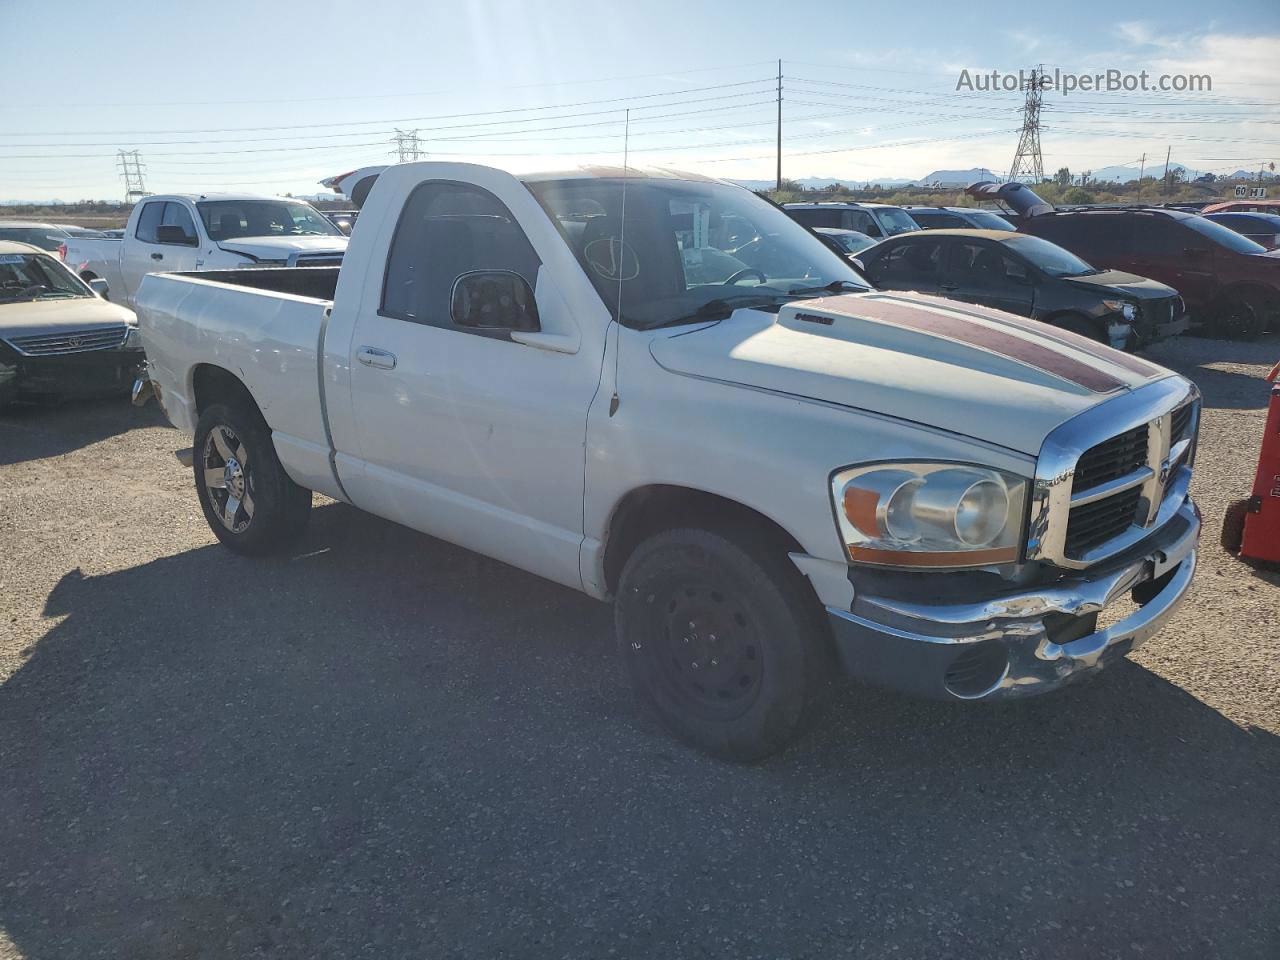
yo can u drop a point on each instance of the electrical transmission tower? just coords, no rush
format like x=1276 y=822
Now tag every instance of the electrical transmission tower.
x=1028 y=164
x=408 y=146
x=131 y=168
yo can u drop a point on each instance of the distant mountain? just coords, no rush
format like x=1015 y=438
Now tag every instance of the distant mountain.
x=957 y=178
x=1126 y=174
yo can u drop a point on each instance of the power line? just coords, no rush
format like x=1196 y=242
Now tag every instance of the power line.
x=767 y=82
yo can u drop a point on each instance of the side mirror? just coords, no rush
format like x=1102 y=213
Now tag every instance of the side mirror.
x=175 y=236
x=100 y=287
x=493 y=300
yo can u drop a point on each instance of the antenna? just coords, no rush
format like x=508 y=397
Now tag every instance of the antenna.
x=622 y=259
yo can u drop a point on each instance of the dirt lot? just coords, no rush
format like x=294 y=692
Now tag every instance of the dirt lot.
x=382 y=746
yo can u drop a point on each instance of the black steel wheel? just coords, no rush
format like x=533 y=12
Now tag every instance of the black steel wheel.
x=723 y=640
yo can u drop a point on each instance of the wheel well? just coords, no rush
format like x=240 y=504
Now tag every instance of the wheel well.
x=211 y=384
x=1250 y=290
x=652 y=509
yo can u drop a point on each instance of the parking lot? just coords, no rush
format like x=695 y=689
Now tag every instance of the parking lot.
x=384 y=746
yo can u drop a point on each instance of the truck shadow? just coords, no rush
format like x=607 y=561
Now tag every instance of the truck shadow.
x=33 y=431
x=383 y=746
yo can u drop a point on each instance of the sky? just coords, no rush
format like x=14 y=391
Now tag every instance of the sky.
x=272 y=96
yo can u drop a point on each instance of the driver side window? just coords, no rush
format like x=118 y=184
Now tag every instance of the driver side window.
x=447 y=231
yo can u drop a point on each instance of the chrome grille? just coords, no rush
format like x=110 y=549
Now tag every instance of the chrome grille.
x=1180 y=427
x=1112 y=458
x=1109 y=478
x=70 y=341
x=318 y=260
x=1093 y=524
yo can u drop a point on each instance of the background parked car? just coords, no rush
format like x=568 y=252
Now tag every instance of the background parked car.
x=46 y=236
x=1028 y=276
x=1261 y=228
x=58 y=336
x=959 y=218
x=876 y=220
x=850 y=241
x=72 y=230
x=1231 y=285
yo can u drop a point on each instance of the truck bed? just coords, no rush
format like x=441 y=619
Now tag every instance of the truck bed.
x=318 y=283
x=264 y=326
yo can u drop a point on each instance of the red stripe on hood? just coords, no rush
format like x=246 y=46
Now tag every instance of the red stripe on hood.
x=976 y=334
x=1039 y=327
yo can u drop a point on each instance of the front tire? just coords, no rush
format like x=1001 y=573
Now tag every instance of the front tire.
x=723 y=641
x=250 y=503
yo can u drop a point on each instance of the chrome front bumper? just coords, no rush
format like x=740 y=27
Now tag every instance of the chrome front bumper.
x=1025 y=642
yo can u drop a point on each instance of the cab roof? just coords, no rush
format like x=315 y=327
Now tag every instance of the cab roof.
x=1001 y=235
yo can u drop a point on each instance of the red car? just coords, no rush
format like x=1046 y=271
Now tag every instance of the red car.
x=1230 y=284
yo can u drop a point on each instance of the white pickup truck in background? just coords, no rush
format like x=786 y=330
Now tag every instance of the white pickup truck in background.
x=190 y=232
x=661 y=390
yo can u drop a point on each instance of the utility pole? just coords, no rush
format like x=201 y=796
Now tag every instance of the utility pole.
x=1028 y=163
x=408 y=145
x=779 y=124
x=1167 y=154
x=1142 y=170
x=131 y=169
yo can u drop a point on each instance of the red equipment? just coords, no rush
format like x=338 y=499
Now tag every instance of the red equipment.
x=1251 y=527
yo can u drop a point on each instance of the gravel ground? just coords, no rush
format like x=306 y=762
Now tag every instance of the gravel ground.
x=383 y=746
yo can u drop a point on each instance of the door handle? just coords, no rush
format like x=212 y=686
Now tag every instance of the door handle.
x=373 y=357
x=157 y=256
x=950 y=286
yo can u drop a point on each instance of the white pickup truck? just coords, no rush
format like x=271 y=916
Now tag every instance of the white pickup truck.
x=213 y=231
x=659 y=389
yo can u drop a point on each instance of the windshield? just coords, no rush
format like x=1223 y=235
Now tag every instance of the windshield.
x=1224 y=237
x=1049 y=257
x=988 y=221
x=228 y=219
x=46 y=238
x=895 y=221
x=30 y=276
x=687 y=246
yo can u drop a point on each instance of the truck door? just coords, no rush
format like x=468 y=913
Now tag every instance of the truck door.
x=462 y=430
x=165 y=241
x=979 y=271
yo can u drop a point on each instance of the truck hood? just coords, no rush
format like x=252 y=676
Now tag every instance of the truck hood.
x=969 y=370
x=51 y=316
x=1130 y=284
x=279 y=248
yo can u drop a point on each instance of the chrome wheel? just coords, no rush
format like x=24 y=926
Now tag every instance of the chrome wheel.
x=227 y=478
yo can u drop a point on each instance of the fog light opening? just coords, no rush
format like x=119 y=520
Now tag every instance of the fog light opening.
x=977 y=671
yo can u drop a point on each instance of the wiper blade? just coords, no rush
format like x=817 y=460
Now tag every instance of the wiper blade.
x=721 y=307
x=835 y=286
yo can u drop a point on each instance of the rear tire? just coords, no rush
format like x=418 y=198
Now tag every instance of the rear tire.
x=249 y=501
x=1238 y=316
x=722 y=639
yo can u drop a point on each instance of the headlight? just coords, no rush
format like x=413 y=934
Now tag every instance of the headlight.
x=932 y=515
x=1122 y=307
